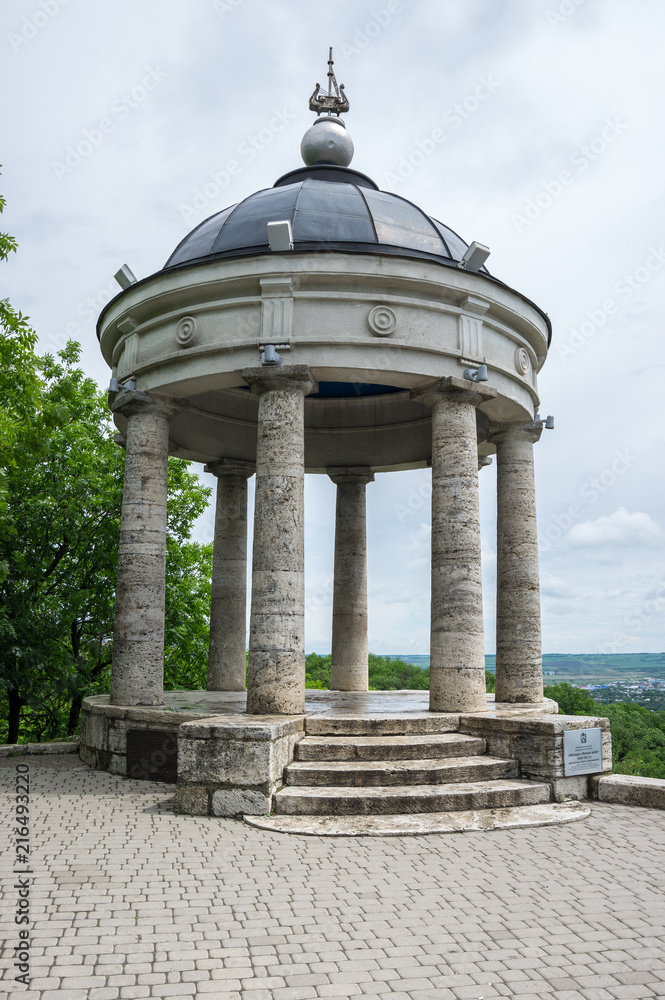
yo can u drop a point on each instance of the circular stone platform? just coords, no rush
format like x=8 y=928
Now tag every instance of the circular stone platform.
x=104 y=726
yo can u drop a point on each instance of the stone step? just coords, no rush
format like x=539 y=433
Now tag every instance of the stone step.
x=310 y=800
x=508 y=818
x=405 y=724
x=365 y=773
x=388 y=747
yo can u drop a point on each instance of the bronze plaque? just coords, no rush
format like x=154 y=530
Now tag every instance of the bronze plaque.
x=152 y=754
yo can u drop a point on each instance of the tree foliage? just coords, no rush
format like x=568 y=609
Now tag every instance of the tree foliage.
x=59 y=527
x=19 y=375
x=385 y=674
x=388 y=674
x=188 y=581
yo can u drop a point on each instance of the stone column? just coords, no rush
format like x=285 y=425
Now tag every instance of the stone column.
x=457 y=653
x=519 y=673
x=349 y=617
x=137 y=673
x=228 y=606
x=276 y=677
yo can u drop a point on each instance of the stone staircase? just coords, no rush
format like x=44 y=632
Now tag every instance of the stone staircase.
x=378 y=775
x=415 y=772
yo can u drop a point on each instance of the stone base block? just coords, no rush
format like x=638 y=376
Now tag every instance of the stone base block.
x=536 y=742
x=232 y=765
x=570 y=789
x=193 y=800
x=629 y=790
x=241 y=802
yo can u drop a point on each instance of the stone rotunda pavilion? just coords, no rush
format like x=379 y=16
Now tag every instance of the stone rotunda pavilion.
x=321 y=326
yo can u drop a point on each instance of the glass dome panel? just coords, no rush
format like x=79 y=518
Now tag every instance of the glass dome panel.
x=246 y=227
x=332 y=212
x=456 y=244
x=401 y=224
x=200 y=241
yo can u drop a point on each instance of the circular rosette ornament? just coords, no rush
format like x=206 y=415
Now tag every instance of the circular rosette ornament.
x=382 y=321
x=185 y=331
x=522 y=361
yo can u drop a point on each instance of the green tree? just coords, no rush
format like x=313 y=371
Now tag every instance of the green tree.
x=389 y=674
x=59 y=541
x=188 y=580
x=572 y=700
x=19 y=377
x=317 y=671
x=385 y=673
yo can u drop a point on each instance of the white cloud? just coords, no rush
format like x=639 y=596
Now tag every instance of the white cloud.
x=417 y=552
x=554 y=586
x=621 y=528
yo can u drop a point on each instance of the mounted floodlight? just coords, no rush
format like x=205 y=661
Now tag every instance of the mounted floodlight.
x=128 y=385
x=269 y=356
x=125 y=277
x=478 y=374
x=549 y=423
x=280 y=236
x=114 y=385
x=475 y=257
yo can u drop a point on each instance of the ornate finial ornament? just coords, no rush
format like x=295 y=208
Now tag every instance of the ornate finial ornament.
x=335 y=101
x=327 y=143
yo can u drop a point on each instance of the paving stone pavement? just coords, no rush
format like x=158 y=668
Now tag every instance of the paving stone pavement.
x=130 y=900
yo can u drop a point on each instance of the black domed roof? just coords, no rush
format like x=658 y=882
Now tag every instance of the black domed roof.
x=330 y=208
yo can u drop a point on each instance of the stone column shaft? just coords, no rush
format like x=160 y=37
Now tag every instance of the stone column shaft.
x=349 y=617
x=457 y=653
x=228 y=606
x=276 y=675
x=137 y=675
x=519 y=675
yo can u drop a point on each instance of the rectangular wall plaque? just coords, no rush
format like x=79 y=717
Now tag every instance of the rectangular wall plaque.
x=582 y=751
x=152 y=754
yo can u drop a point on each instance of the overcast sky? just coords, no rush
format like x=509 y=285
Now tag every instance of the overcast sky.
x=553 y=156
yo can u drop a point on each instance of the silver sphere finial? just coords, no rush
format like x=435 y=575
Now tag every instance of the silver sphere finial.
x=327 y=141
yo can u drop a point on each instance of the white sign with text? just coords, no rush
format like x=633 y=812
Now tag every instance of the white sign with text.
x=582 y=751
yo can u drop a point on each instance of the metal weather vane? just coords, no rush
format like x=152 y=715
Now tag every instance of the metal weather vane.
x=335 y=101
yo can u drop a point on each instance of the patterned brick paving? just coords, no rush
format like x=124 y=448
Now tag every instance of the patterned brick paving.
x=129 y=900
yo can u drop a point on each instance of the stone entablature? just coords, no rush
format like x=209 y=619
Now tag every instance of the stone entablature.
x=439 y=328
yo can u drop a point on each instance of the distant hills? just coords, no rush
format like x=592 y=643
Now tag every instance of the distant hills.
x=580 y=668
